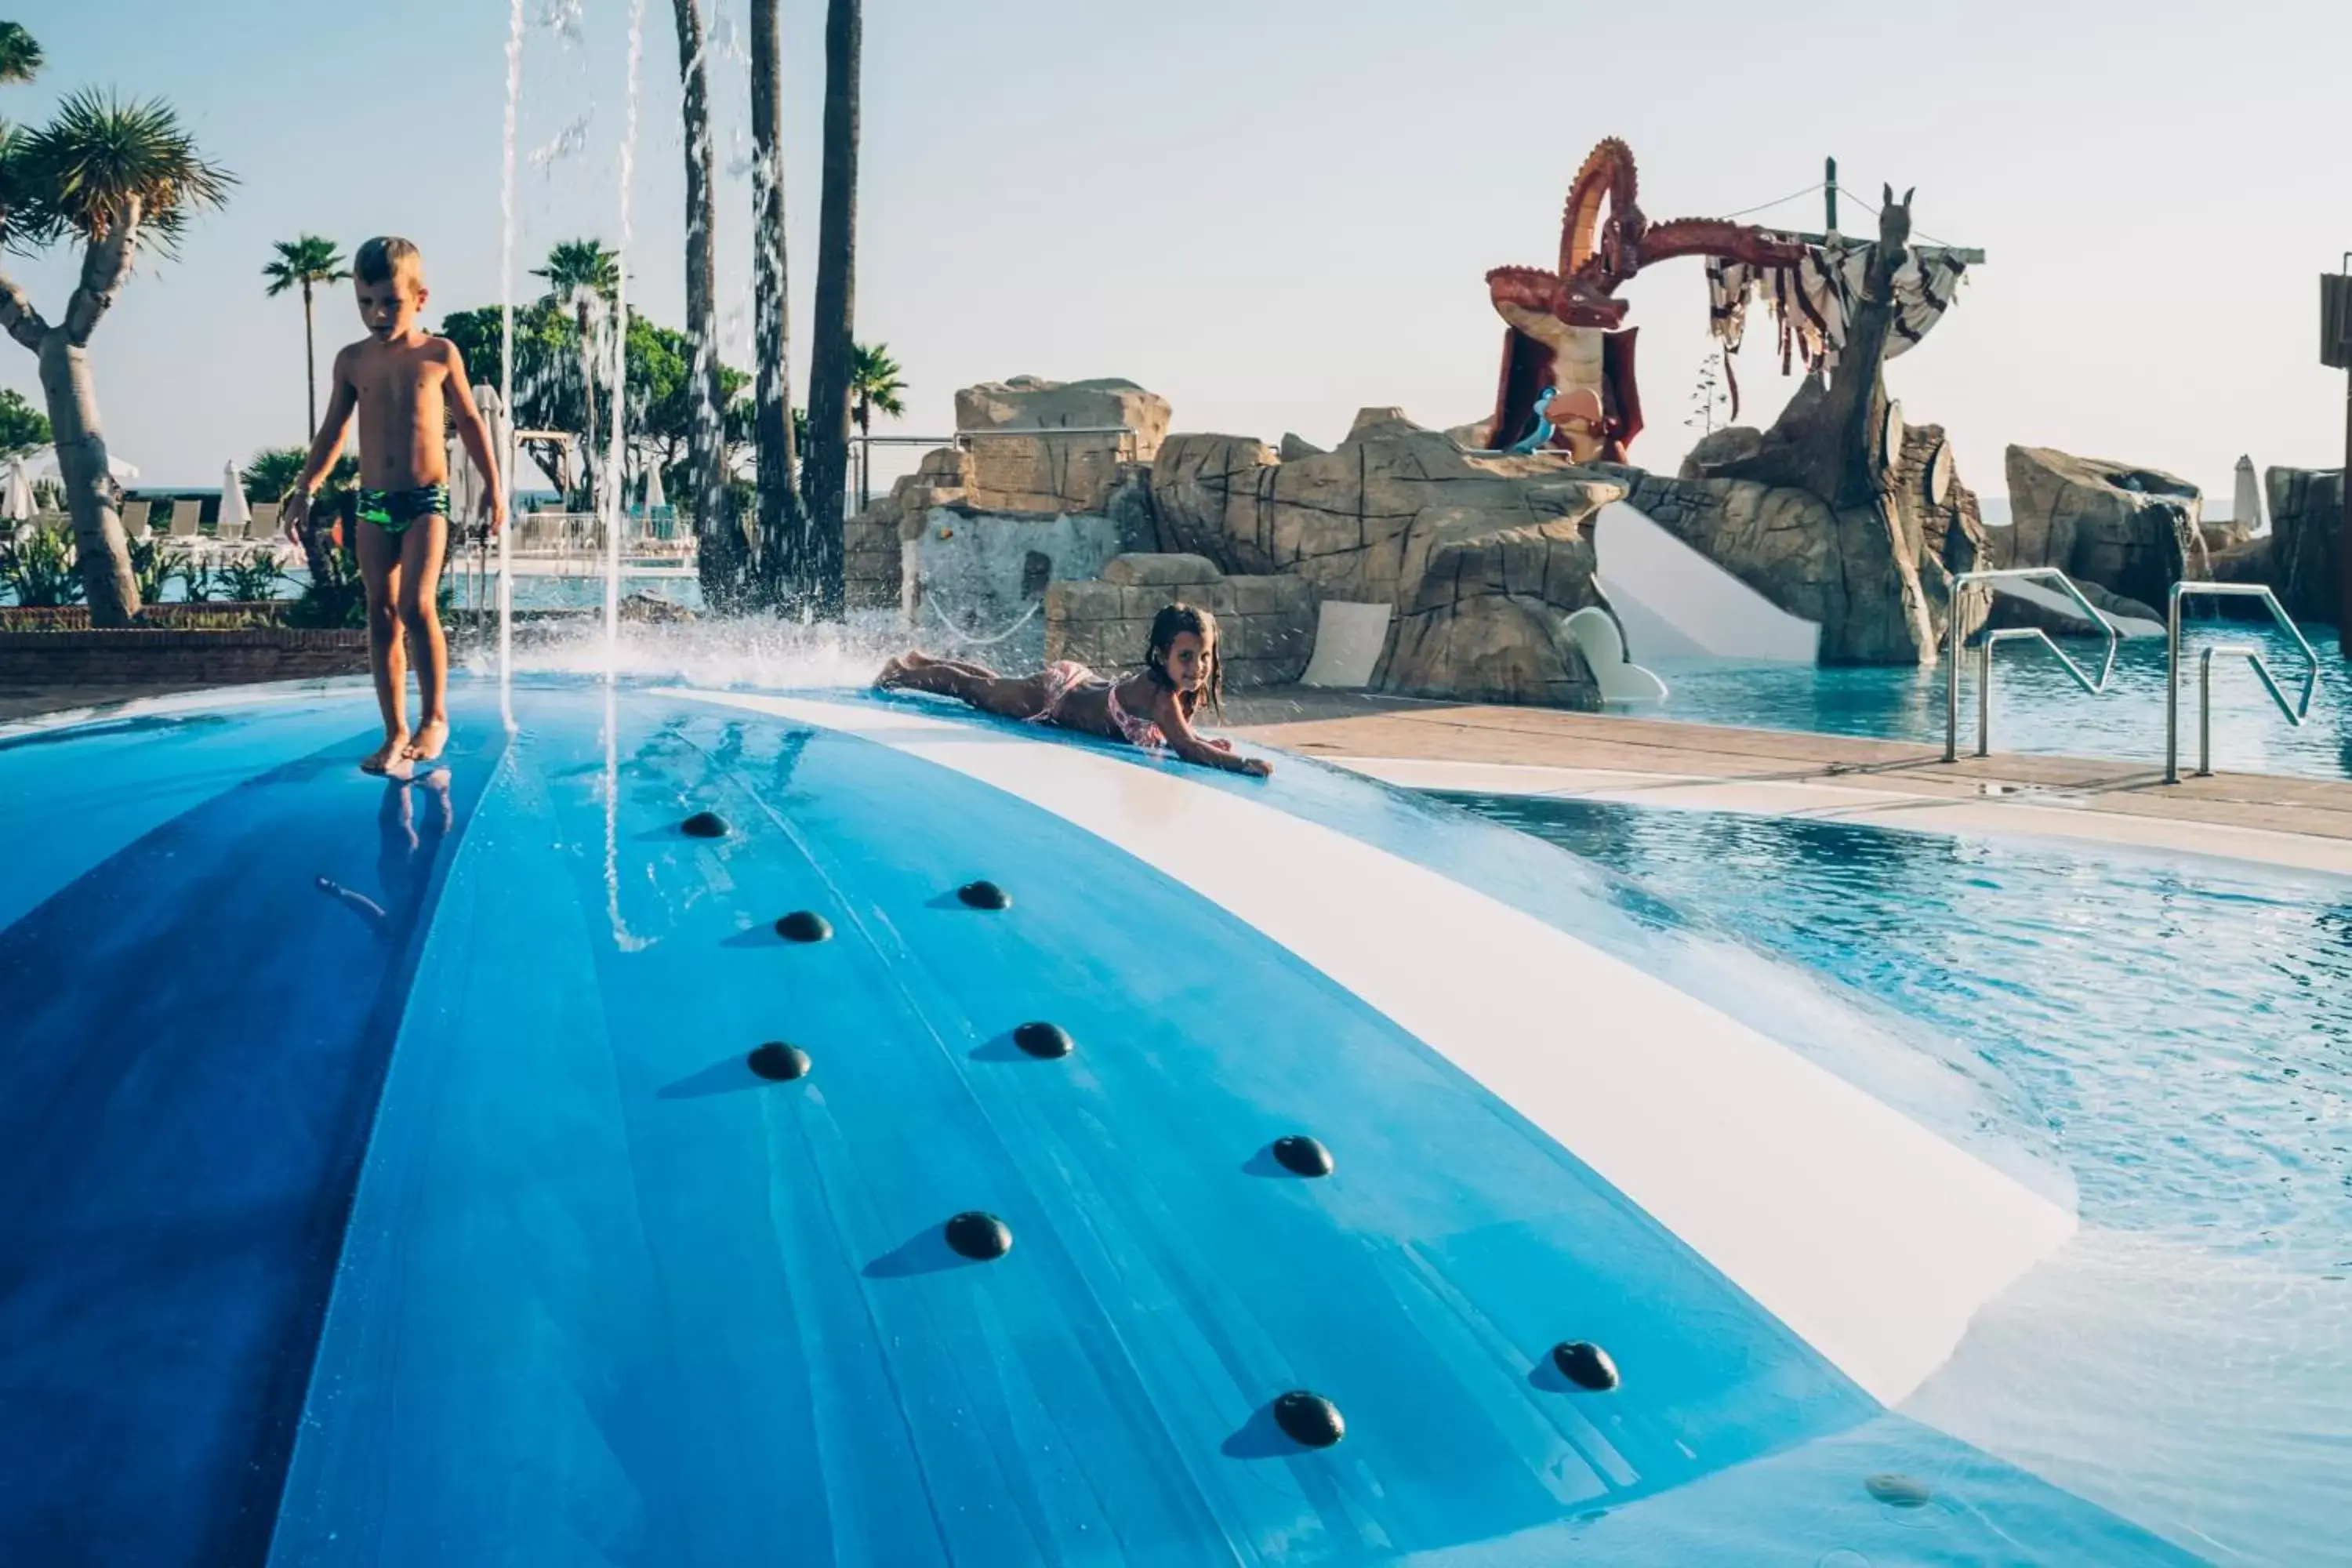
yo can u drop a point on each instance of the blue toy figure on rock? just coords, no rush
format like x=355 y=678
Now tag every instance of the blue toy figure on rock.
x=1535 y=438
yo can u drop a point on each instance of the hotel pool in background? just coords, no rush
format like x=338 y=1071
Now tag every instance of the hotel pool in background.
x=2036 y=708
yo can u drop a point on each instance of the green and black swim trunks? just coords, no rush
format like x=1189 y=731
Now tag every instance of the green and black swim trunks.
x=393 y=510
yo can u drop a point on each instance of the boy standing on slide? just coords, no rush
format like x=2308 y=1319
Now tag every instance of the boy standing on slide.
x=405 y=386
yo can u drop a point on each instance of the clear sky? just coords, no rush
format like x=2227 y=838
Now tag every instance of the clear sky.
x=1272 y=211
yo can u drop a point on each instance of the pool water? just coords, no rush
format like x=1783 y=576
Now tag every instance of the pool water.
x=2183 y=1036
x=2036 y=708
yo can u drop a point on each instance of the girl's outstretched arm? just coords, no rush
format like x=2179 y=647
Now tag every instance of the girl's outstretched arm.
x=1189 y=745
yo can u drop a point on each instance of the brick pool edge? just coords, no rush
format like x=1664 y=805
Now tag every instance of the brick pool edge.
x=147 y=655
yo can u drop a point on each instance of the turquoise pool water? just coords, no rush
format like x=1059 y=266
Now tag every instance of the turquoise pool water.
x=2037 y=708
x=2181 y=1033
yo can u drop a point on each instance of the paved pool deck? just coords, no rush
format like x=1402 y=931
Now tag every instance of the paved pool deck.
x=2303 y=823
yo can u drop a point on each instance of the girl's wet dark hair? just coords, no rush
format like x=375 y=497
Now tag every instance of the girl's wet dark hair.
x=1167 y=625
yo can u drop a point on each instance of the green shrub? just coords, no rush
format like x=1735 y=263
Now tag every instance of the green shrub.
x=252 y=578
x=154 y=564
x=199 y=584
x=37 y=570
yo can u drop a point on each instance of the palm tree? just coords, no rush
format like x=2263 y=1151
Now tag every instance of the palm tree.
x=781 y=542
x=302 y=264
x=873 y=383
x=106 y=175
x=588 y=276
x=826 y=474
x=721 y=552
x=20 y=54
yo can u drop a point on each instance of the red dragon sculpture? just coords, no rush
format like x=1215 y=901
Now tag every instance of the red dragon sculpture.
x=1574 y=310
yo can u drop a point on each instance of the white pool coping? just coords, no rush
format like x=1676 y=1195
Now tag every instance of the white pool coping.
x=1874 y=1239
x=2046 y=813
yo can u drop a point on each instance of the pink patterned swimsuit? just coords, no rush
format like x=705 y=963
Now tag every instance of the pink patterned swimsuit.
x=1065 y=676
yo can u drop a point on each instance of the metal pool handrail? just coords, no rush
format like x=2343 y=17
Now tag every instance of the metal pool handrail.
x=2295 y=714
x=1985 y=645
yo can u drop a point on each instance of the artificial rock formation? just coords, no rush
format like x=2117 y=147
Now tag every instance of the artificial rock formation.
x=1267 y=623
x=2132 y=530
x=2306 y=531
x=1011 y=469
x=1027 y=448
x=1483 y=556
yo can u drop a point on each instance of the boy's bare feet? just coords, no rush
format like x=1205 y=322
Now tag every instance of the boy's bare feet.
x=431 y=737
x=380 y=761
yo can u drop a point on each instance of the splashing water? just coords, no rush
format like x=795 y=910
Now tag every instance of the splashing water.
x=566 y=143
x=506 y=359
x=562 y=18
x=612 y=493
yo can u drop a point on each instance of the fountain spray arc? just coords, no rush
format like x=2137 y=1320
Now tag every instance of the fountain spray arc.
x=506 y=366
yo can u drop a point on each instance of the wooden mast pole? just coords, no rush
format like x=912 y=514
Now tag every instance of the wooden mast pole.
x=1829 y=192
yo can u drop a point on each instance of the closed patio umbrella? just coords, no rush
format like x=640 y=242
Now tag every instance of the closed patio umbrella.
x=19 y=504
x=467 y=500
x=235 y=515
x=2246 y=506
x=654 y=498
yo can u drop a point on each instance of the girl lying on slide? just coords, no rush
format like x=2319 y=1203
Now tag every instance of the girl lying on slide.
x=1153 y=709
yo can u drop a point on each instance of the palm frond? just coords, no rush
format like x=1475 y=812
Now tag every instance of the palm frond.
x=307 y=260
x=20 y=54
x=81 y=172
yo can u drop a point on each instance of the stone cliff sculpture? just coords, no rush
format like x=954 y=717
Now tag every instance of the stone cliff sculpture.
x=1483 y=556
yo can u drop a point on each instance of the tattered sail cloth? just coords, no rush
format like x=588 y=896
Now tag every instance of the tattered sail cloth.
x=1814 y=299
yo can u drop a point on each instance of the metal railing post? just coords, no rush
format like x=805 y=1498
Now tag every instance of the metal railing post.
x=2295 y=713
x=2172 y=687
x=1952 y=674
x=1985 y=646
x=1984 y=697
x=2205 y=715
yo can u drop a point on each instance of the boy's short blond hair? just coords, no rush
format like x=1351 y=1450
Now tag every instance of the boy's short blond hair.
x=387 y=257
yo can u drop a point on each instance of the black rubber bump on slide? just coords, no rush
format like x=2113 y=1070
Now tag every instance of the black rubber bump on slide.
x=1043 y=1039
x=1309 y=1419
x=704 y=824
x=1899 y=1491
x=984 y=896
x=980 y=1236
x=1302 y=1155
x=1585 y=1365
x=779 y=1061
x=805 y=925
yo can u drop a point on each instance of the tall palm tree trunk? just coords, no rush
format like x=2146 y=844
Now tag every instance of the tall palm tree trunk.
x=102 y=555
x=836 y=265
x=783 y=541
x=310 y=357
x=721 y=548
x=588 y=447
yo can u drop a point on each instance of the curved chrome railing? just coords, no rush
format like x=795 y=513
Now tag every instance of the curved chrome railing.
x=2296 y=713
x=1986 y=644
